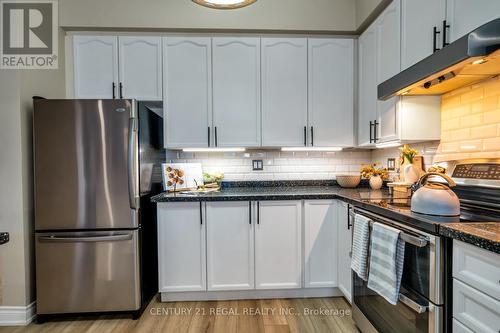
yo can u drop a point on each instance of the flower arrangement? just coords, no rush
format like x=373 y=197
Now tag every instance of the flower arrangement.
x=408 y=153
x=369 y=170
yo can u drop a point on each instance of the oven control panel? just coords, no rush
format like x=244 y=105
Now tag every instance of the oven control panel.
x=487 y=171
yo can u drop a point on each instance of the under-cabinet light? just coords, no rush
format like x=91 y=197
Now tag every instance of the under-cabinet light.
x=311 y=149
x=388 y=145
x=213 y=150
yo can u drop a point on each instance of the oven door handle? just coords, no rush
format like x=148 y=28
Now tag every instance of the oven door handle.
x=418 y=308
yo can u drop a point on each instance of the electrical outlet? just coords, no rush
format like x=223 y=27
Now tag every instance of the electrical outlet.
x=391 y=164
x=257 y=165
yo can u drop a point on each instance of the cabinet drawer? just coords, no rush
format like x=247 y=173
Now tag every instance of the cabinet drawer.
x=474 y=309
x=477 y=267
x=458 y=327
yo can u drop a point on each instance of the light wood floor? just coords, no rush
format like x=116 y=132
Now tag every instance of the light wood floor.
x=234 y=316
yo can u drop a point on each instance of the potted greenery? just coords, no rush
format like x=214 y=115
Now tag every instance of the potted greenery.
x=410 y=172
x=375 y=174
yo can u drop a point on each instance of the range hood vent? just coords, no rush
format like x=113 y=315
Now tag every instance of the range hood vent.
x=470 y=59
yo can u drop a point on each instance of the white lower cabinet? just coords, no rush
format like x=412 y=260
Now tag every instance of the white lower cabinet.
x=208 y=249
x=278 y=245
x=476 y=289
x=320 y=243
x=344 y=240
x=181 y=247
x=230 y=246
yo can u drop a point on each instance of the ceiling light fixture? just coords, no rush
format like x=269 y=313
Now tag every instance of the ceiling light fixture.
x=311 y=149
x=224 y=4
x=213 y=150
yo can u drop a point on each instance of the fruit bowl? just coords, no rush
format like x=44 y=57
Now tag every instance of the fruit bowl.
x=348 y=181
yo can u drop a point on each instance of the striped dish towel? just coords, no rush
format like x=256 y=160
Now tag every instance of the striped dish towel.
x=360 y=242
x=386 y=262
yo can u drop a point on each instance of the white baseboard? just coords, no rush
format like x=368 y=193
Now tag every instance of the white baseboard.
x=17 y=315
x=249 y=294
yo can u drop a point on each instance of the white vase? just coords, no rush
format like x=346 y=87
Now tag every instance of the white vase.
x=376 y=182
x=411 y=174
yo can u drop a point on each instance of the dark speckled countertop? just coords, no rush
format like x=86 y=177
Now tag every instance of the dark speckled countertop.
x=483 y=234
x=361 y=197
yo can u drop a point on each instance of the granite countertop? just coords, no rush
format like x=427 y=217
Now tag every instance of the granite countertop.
x=482 y=234
x=361 y=197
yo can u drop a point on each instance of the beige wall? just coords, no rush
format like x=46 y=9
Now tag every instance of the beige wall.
x=364 y=8
x=328 y=15
x=16 y=175
x=470 y=119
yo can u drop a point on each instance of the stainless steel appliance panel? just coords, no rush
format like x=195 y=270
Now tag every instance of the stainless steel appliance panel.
x=83 y=157
x=87 y=271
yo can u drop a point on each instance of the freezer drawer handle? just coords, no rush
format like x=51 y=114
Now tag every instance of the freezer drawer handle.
x=412 y=304
x=88 y=239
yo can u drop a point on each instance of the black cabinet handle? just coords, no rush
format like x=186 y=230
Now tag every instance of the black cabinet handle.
x=216 y=137
x=249 y=212
x=445 y=27
x=375 y=136
x=208 y=136
x=371 y=131
x=305 y=135
x=121 y=90
x=258 y=212
x=434 y=39
x=113 y=86
x=312 y=136
x=201 y=214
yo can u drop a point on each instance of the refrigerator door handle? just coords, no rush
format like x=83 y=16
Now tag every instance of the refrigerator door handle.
x=132 y=161
x=85 y=239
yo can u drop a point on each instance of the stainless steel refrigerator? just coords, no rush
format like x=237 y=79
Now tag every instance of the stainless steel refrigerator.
x=96 y=164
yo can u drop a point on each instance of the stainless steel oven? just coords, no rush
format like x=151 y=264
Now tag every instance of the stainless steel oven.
x=420 y=307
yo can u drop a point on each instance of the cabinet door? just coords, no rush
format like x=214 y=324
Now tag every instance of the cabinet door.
x=367 y=85
x=187 y=91
x=330 y=85
x=181 y=247
x=140 y=67
x=466 y=15
x=344 y=250
x=320 y=243
x=95 y=66
x=284 y=91
x=278 y=245
x=230 y=246
x=388 y=64
x=236 y=91
x=418 y=19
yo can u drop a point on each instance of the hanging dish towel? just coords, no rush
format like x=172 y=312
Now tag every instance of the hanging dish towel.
x=360 y=242
x=386 y=262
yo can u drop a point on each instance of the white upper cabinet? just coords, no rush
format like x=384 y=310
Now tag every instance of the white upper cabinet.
x=367 y=86
x=388 y=64
x=330 y=87
x=95 y=67
x=463 y=16
x=236 y=91
x=278 y=245
x=320 y=243
x=181 y=247
x=140 y=67
x=187 y=91
x=284 y=92
x=419 y=18
x=230 y=246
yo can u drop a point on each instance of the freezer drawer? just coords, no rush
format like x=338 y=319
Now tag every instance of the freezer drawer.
x=87 y=271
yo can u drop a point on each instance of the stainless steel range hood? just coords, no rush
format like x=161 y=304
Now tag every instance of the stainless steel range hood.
x=472 y=58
